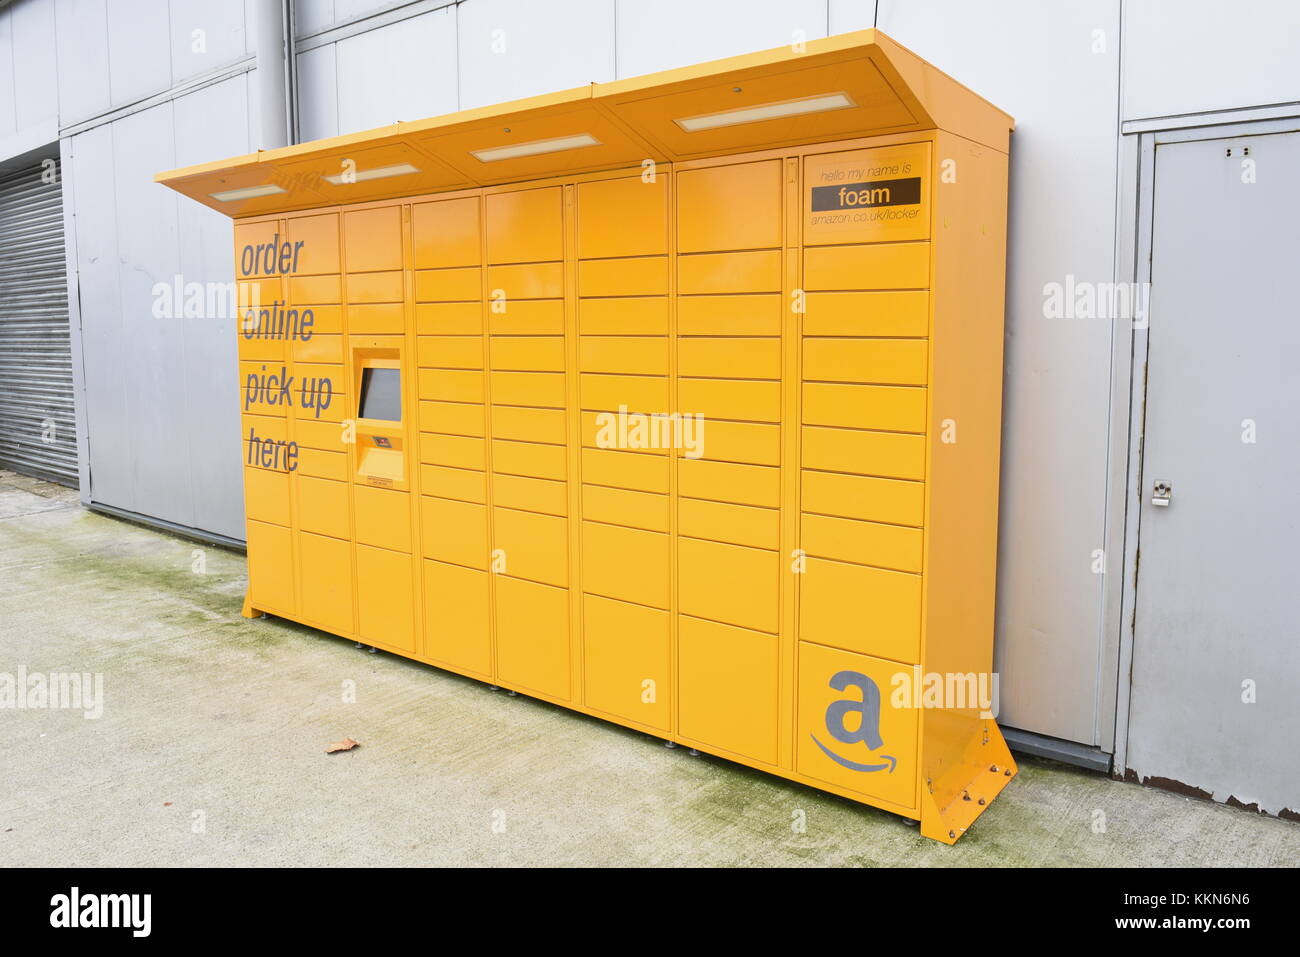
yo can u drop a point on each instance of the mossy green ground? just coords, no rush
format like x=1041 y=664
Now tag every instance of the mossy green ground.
x=211 y=748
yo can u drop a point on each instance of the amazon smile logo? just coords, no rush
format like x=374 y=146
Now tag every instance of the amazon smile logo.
x=867 y=707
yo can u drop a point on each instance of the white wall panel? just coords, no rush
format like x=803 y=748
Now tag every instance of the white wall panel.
x=673 y=33
x=153 y=375
x=406 y=71
x=223 y=39
x=36 y=80
x=209 y=124
x=8 y=114
x=1190 y=56
x=139 y=63
x=103 y=345
x=318 y=105
x=161 y=394
x=312 y=16
x=81 y=31
x=348 y=9
x=515 y=48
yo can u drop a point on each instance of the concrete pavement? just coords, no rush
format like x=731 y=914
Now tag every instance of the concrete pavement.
x=210 y=749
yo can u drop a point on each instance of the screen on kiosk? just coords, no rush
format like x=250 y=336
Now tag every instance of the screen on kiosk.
x=381 y=394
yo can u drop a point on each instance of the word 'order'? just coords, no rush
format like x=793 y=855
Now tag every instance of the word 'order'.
x=272 y=257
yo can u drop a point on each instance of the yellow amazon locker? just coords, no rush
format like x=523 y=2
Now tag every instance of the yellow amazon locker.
x=673 y=400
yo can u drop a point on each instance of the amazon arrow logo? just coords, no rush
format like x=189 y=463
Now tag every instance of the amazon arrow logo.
x=868 y=731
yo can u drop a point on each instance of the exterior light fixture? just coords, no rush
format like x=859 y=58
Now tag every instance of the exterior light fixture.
x=248 y=192
x=380 y=172
x=767 y=111
x=535 y=148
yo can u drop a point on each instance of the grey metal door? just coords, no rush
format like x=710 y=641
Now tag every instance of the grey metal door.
x=1215 y=699
x=37 y=427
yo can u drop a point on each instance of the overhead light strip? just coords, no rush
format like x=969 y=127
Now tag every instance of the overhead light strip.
x=535 y=148
x=379 y=172
x=248 y=192
x=767 y=111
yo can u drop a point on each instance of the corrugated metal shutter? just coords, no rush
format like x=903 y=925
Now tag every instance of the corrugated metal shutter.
x=37 y=426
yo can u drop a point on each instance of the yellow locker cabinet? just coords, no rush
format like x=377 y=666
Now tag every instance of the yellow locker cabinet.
x=673 y=400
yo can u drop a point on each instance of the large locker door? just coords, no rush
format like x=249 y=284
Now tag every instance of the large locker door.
x=37 y=427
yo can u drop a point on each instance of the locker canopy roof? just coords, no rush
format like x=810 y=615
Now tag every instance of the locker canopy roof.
x=842 y=87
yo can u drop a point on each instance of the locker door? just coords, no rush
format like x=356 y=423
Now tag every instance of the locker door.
x=624 y=361
x=532 y=623
x=849 y=733
x=385 y=597
x=325 y=566
x=728 y=353
x=728 y=687
x=628 y=660
x=527 y=442
x=865 y=354
x=447 y=236
x=373 y=260
x=457 y=620
x=270 y=567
